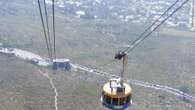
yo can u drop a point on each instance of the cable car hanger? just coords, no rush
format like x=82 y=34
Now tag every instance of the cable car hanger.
x=116 y=94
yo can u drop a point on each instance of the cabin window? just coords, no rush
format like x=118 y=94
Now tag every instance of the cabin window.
x=115 y=101
x=122 y=101
x=108 y=99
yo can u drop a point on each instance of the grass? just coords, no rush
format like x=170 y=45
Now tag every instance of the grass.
x=88 y=89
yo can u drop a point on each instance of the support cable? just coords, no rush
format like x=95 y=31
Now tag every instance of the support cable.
x=146 y=30
x=156 y=21
x=54 y=34
x=48 y=30
x=44 y=29
x=141 y=38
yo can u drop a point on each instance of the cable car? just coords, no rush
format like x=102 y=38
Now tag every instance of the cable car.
x=116 y=94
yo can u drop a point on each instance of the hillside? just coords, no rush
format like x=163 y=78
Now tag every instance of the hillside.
x=165 y=58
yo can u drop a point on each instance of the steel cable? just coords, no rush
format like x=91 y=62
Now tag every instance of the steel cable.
x=141 y=37
x=44 y=29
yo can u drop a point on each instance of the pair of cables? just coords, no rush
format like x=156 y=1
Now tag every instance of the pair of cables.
x=152 y=28
x=46 y=30
x=155 y=25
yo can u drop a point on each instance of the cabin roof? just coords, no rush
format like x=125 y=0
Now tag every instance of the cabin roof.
x=61 y=60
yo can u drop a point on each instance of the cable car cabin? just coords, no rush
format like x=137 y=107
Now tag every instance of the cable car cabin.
x=61 y=64
x=116 y=96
